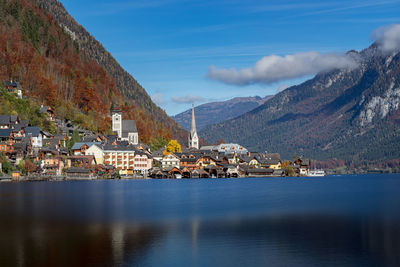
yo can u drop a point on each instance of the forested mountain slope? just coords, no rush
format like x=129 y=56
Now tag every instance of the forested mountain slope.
x=344 y=114
x=215 y=112
x=58 y=63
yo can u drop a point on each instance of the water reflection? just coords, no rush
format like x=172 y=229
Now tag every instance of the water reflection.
x=303 y=240
x=288 y=240
x=64 y=244
x=334 y=222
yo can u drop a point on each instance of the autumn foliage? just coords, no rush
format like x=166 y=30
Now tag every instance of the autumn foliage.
x=172 y=147
x=41 y=55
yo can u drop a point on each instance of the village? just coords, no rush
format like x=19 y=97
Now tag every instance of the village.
x=120 y=155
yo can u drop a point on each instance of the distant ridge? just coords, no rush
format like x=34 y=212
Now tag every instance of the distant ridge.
x=215 y=112
x=351 y=115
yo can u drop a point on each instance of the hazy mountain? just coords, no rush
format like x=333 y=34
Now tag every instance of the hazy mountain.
x=215 y=112
x=347 y=114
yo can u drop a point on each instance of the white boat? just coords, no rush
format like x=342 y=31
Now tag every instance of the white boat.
x=316 y=173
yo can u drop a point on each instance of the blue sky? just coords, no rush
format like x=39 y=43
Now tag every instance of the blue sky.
x=170 y=45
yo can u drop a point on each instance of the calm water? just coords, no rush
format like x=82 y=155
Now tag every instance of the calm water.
x=330 y=221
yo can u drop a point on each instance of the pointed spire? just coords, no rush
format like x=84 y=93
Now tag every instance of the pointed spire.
x=193 y=125
x=193 y=138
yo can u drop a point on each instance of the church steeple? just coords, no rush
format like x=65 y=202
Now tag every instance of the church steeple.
x=193 y=125
x=193 y=138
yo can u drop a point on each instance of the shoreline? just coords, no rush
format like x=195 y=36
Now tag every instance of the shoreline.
x=6 y=179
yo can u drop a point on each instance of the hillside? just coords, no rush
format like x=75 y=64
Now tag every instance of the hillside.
x=72 y=72
x=344 y=114
x=215 y=112
x=126 y=84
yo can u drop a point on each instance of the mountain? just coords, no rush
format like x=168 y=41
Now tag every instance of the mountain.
x=344 y=114
x=60 y=64
x=215 y=112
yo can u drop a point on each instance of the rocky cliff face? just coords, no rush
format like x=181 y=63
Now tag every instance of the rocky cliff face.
x=215 y=112
x=350 y=114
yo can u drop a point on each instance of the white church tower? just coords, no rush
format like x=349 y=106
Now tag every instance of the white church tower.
x=117 y=121
x=193 y=138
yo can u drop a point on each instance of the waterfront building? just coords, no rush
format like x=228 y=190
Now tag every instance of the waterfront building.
x=125 y=129
x=79 y=148
x=205 y=161
x=188 y=161
x=142 y=162
x=97 y=151
x=303 y=166
x=271 y=164
x=193 y=138
x=52 y=164
x=169 y=161
x=82 y=161
x=121 y=157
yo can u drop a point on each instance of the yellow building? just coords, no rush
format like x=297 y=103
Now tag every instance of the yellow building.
x=276 y=165
x=97 y=152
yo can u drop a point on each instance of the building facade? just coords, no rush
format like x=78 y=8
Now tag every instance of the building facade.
x=125 y=129
x=97 y=151
x=170 y=161
x=36 y=135
x=122 y=158
x=142 y=162
x=231 y=149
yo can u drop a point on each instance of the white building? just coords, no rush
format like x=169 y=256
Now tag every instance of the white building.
x=36 y=136
x=97 y=151
x=169 y=161
x=125 y=129
x=230 y=149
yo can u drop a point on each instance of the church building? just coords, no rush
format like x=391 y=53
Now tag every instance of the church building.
x=125 y=129
x=193 y=138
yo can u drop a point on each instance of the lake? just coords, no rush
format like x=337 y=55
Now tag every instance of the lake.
x=349 y=220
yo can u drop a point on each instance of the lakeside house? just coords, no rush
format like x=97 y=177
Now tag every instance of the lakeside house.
x=170 y=161
x=97 y=151
x=108 y=155
x=80 y=148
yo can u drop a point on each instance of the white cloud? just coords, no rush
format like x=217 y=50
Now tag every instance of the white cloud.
x=388 y=38
x=187 y=99
x=158 y=99
x=273 y=68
